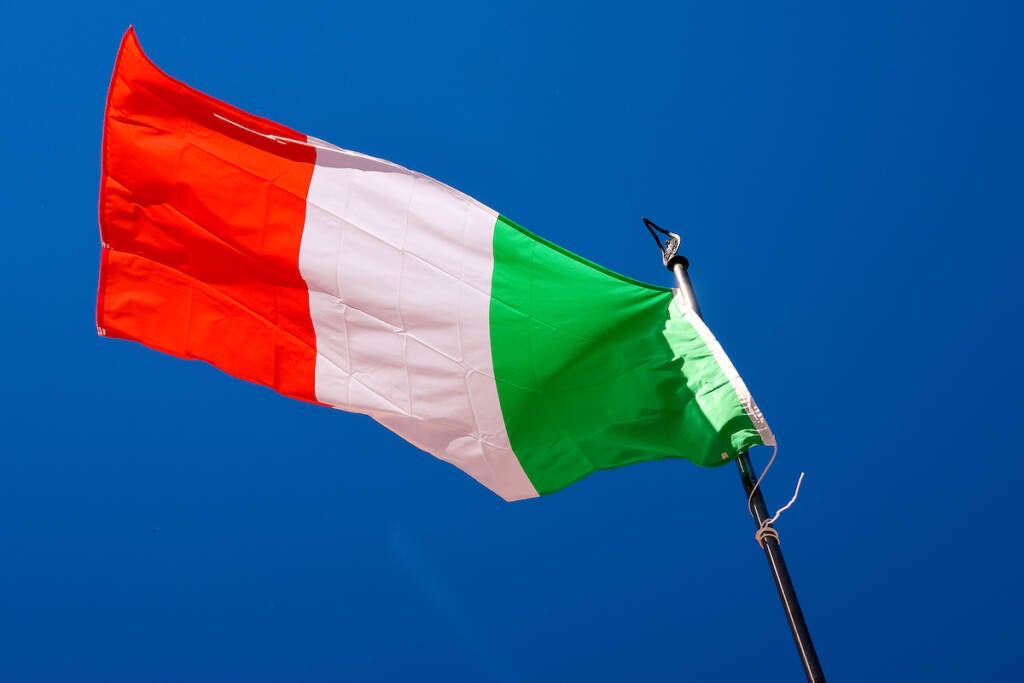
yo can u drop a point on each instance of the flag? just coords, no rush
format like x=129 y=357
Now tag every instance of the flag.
x=352 y=282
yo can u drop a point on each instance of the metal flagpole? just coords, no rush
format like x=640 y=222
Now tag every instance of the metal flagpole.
x=767 y=536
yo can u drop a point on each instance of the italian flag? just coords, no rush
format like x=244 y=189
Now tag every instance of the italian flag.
x=352 y=282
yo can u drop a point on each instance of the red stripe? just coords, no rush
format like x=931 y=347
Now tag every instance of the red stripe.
x=201 y=221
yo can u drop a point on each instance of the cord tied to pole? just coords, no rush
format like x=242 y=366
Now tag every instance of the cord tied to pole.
x=765 y=528
x=766 y=531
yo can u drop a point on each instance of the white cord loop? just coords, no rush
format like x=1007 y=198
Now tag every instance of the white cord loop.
x=765 y=529
x=764 y=532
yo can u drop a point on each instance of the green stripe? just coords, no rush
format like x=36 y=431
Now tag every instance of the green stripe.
x=595 y=370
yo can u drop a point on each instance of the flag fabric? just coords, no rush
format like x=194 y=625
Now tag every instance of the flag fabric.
x=349 y=281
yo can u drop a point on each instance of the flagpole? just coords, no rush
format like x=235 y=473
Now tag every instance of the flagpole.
x=768 y=537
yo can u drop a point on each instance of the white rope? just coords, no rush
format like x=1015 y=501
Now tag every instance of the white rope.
x=771 y=460
x=765 y=529
x=764 y=532
x=791 y=500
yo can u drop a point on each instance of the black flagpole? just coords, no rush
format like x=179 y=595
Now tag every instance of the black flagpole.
x=767 y=536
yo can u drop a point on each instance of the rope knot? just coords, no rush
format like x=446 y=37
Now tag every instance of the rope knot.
x=764 y=531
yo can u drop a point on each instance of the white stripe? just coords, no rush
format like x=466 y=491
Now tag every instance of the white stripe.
x=738 y=386
x=398 y=268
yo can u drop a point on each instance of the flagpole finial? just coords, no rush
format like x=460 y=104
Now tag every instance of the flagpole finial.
x=675 y=262
x=670 y=255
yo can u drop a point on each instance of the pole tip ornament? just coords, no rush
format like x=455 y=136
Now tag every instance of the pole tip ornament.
x=670 y=255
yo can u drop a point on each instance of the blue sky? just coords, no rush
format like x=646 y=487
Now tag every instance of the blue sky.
x=846 y=179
